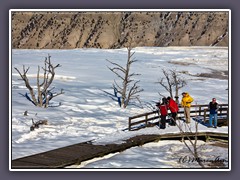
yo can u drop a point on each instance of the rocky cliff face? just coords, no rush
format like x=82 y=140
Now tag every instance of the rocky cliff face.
x=64 y=30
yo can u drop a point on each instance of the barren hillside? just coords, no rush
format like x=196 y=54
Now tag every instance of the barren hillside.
x=66 y=30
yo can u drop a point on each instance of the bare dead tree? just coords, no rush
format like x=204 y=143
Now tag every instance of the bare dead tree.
x=186 y=130
x=129 y=90
x=44 y=94
x=172 y=82
x=192 y=147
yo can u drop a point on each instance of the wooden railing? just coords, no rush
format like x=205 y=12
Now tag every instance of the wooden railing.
x=196 y=110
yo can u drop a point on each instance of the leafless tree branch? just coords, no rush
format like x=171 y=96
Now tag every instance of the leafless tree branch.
x=44 y=95
x=129 y=89
x=172 y=82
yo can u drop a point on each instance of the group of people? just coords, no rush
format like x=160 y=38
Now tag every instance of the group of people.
x=169 y=104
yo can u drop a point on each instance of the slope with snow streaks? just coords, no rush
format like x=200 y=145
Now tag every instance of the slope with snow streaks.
x=68 y=30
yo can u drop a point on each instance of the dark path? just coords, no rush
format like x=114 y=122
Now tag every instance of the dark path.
x=77 y=153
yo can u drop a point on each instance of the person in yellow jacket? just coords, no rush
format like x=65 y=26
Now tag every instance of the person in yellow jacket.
x=186 y=104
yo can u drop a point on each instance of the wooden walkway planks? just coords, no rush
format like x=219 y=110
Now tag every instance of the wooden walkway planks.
x=77 y=153
x=60 y=157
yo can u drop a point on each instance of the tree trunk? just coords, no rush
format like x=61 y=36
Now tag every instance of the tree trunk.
x=42 y=99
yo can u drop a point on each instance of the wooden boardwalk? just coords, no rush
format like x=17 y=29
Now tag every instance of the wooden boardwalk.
x=77 y=153
x=142 y=120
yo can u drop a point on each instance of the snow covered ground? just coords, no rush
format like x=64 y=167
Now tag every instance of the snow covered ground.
x=165 y=155
x=88 y=113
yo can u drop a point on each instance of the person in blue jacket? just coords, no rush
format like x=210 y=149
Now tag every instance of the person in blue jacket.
x=213 y=108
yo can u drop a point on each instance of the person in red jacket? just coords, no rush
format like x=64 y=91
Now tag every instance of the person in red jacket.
x=172 y=105
x=163 y=108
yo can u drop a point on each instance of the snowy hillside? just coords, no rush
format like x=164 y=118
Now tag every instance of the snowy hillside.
x=87 y=112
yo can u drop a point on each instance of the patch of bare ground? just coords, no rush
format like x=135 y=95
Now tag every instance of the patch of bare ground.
x=218 y=163
x=180 y=63
x=223 y=75
x=214 y=74
x=219 y=144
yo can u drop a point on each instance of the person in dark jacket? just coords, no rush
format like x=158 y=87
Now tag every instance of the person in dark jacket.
x=163 y=108
x=172 y=105
x=213 y=108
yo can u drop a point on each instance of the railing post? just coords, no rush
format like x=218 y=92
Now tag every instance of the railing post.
x=199 y=110
x=129 y=123
x=146 y=118
x=205 y=114
x=227 y=116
